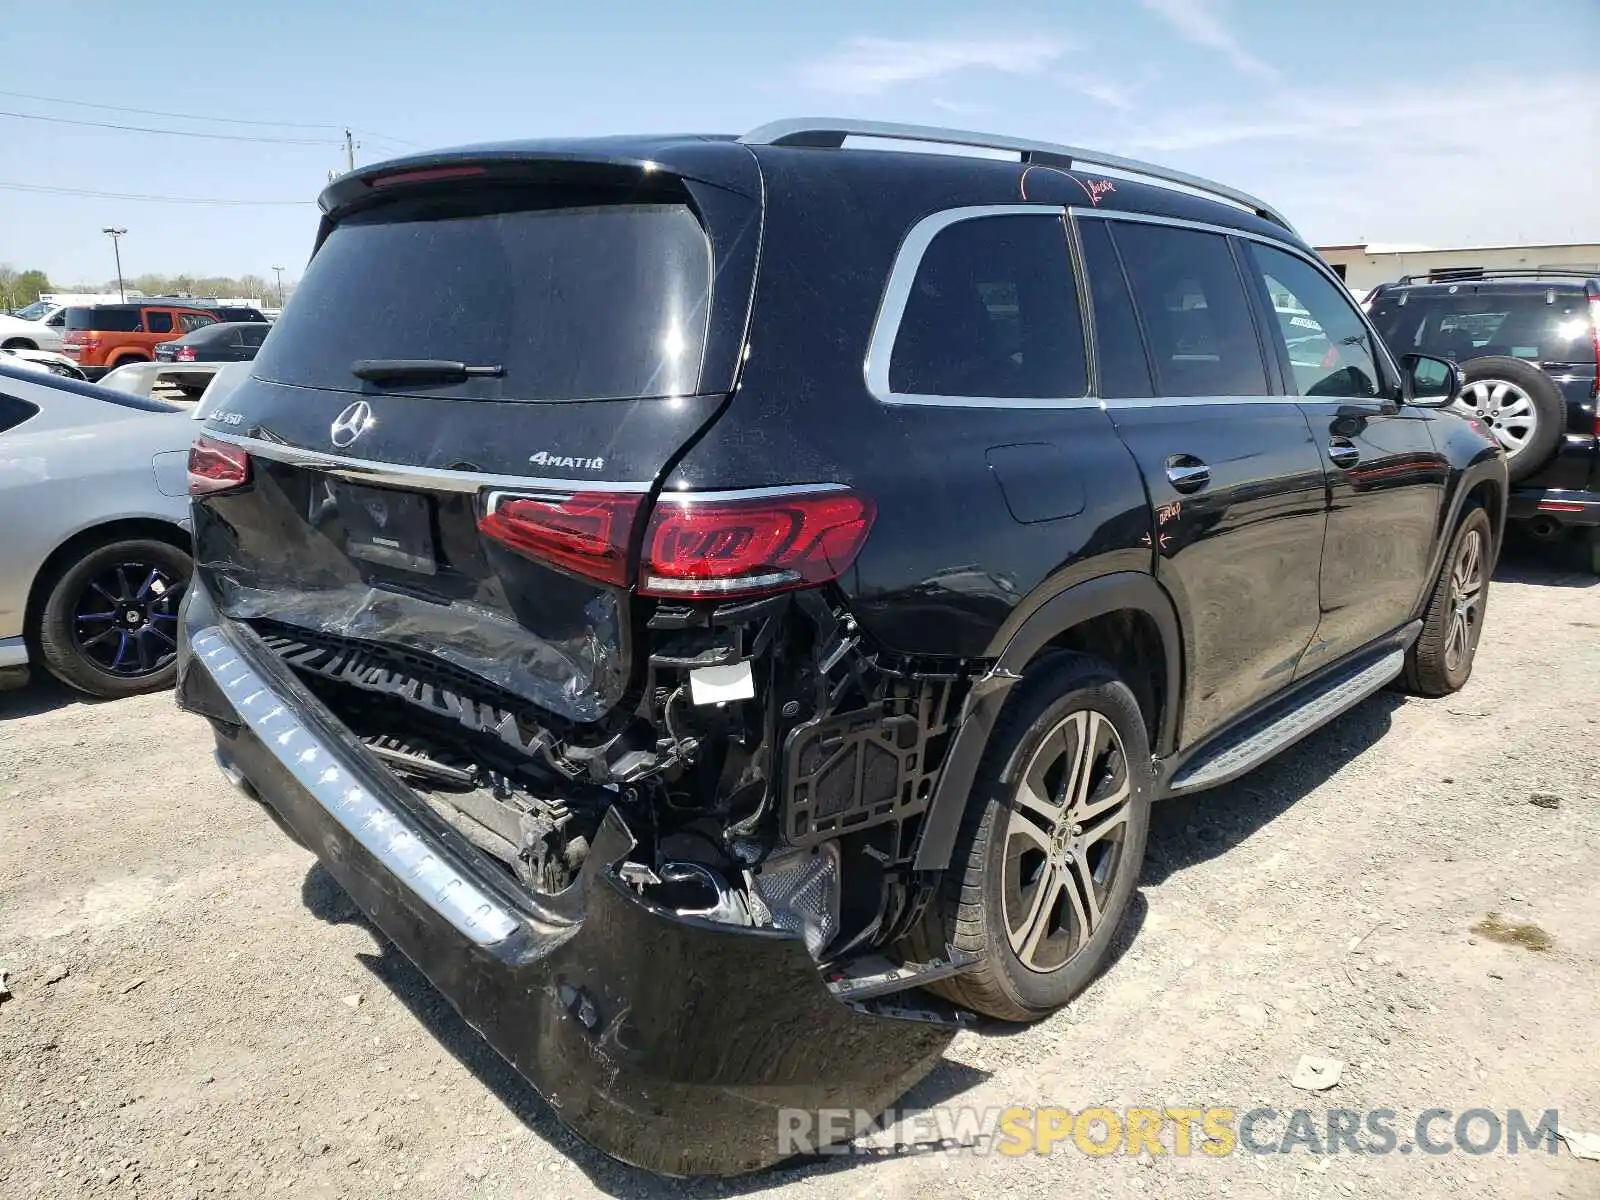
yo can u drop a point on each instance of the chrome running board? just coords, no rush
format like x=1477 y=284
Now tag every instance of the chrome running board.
x=1257 y=743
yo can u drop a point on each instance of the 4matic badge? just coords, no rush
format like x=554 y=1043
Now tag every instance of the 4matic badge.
x=545 y=459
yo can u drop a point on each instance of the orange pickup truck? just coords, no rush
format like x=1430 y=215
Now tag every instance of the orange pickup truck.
x=101 y=337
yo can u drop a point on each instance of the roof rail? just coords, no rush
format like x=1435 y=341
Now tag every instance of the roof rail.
x=828 y=133
x=1473 y=274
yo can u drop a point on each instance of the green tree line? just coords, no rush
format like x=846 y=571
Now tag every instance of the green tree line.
x=20 y=288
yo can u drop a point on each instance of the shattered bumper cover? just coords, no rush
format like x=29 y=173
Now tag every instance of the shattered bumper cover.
x=667 y=1042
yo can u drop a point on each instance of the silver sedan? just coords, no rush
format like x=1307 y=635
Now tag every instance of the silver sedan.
x=94 y=533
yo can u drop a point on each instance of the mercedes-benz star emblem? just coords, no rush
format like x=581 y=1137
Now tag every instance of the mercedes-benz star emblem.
x=351 y=424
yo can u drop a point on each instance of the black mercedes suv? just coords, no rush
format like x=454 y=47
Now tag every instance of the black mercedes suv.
x=1528 y=342
x=724 y=607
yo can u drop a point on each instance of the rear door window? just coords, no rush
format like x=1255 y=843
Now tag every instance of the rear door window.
x=993 y=312
x=1466 y=324
x=1196 y=316
x=1328 y=348
x=103 y=320
x=157 y=321
x=572 y=300
x=1119 y=348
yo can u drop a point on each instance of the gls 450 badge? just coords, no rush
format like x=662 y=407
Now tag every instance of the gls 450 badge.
x=545 y=459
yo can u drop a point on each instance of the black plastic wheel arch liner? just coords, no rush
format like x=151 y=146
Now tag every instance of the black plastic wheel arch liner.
x=670 y=1043
x=1077 y=604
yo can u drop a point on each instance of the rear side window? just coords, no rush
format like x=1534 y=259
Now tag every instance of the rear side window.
x=14 y=412
x=1466 y=324
x=1192 y=302
x=1328 y=348
x=577 y=301
x=158 y=322
x=993 y=312
x=104 y=320
x=1119 y=349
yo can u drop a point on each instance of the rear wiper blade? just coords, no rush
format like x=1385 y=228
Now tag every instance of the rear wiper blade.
x=431 y=370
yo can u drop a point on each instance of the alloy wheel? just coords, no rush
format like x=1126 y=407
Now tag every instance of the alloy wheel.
x=125 y=621
x=1466 y=600
x=1064 y=841
x=1505 y=408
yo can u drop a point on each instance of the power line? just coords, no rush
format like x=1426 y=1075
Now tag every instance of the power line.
x=156 y=112
x=224 y=137
x=64 y=191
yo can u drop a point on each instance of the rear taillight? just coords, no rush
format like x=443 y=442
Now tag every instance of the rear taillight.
x=216 y=467
x=693 y=548
x=86 y=340
x=748 y=546
x=1594 y=334
x=586 y=534
x=183 y=354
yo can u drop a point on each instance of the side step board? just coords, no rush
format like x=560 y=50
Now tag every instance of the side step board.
x=1258 y=742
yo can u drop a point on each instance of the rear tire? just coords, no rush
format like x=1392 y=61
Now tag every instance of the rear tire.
x=1520 y=404
x=1049 y=851
x=1440 y=660
x=17 y=343
x=111 y=638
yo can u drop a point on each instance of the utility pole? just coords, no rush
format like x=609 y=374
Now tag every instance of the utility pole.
x=116 y=248
x=349 y=151
x=279 y=270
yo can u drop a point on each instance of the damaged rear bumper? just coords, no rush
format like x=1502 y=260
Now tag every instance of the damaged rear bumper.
x=666 y=1041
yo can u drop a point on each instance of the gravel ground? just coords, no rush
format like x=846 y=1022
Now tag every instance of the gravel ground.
x=197 y=1010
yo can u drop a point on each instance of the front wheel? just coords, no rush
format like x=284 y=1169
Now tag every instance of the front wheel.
x=1050 y=851
x=1440 y=660
x=110 y=624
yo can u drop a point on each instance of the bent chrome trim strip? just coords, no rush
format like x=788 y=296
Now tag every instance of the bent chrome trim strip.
x=385 y=834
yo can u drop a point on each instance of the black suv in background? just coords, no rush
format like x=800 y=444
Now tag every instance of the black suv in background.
x=1529 y=345
x=725 y=607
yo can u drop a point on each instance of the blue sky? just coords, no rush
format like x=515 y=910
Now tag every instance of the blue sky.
x=1398 y=121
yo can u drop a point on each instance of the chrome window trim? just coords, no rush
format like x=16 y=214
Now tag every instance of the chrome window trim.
x=363 y=470
x=1123 y=402
x=892 y=308
x=1078 y=212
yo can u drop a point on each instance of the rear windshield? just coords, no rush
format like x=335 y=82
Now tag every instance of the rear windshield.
x=576 y=301
x=1470 y=325
x=106 y=320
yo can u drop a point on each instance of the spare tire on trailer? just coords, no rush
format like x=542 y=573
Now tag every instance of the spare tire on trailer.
x=1521 y=405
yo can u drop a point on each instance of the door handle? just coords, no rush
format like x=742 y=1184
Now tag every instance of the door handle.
x=1187 y=473
x=1343 y=454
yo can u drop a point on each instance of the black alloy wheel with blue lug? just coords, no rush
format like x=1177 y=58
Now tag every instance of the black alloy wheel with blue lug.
x=110 y=625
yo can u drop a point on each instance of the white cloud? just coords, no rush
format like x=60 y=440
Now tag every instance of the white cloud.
x=869 y=65
x=1119 y=93
x=1444 y=164
x=1422 y=120
x=1197 y=21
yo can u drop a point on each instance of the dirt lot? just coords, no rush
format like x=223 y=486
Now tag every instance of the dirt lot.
x=227 y=1024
